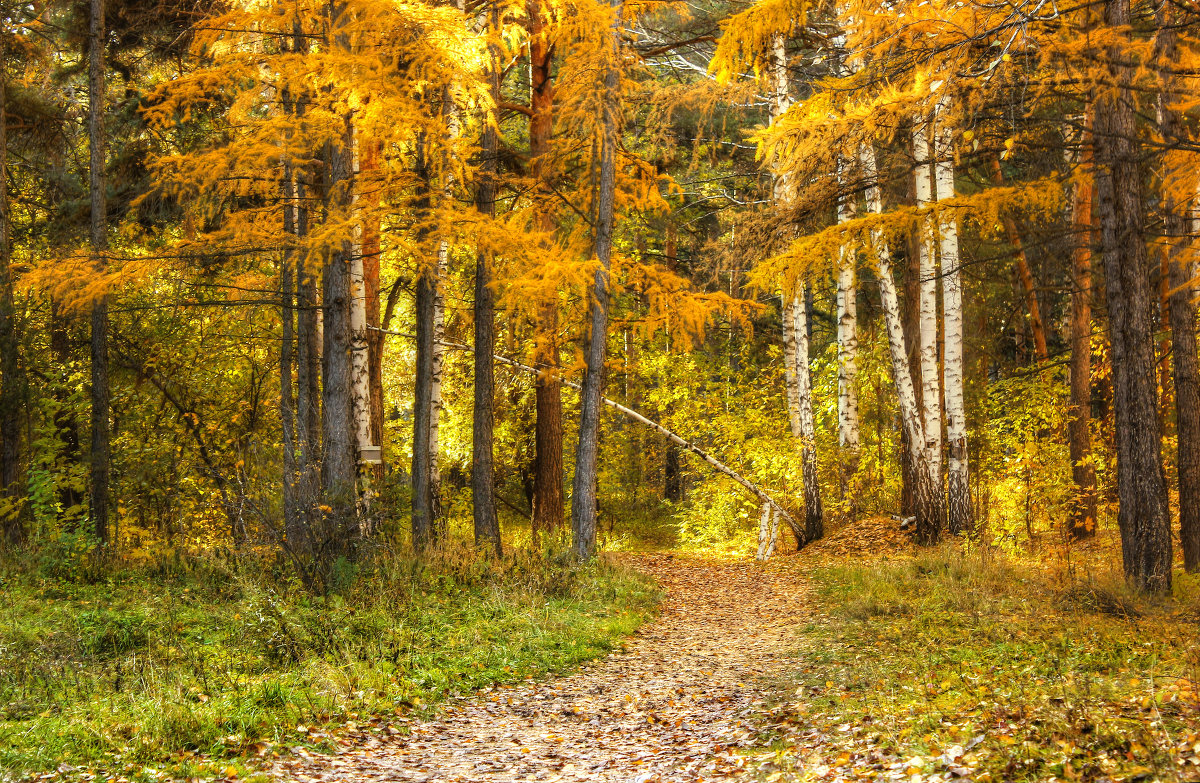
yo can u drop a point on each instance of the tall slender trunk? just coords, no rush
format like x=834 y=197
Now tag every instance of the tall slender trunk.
x=796 y=331
x=423 y=511
x=1024 y=274
x=927 y=497
x=548 y=504
x=483 y=476
x=292 y=525
x=369 y=166
x=1182 y=307
x=340 y=453
x=10 y=374
x=931 y=392
x=360 y=371
x=1084 y=506
x=583 y=499
x=847 y=336
x=1143 y=515
x=799 y=382
x=97 y=144
x=958 y=500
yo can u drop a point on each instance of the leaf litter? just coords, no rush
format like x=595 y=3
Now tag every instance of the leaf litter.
x=681 y=701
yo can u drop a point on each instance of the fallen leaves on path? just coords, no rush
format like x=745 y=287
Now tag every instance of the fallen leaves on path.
x=675 y=704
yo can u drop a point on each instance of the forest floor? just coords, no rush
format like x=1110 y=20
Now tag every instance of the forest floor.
x=859 y=659
x=677 y=703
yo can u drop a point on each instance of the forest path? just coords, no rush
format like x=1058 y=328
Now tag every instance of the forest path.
x=672 y=706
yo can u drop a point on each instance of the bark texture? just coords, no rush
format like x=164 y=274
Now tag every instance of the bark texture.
x=1143 y=516
x=548 y=503
x=958 y=485
x=1024 y=274
x=1182 y=308
x=483 y=475
x=11 y=382
x=926 y=495
x=931 y=391
x=583 y=498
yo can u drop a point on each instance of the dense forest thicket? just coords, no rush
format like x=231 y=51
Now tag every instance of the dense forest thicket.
x=307 y=281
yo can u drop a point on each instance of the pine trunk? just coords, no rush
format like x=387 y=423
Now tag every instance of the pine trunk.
x=1084 y=513
x=958 y=496
x=287 y=310
x=340 y=454
x=100 y=447
x=1182 y=309
x=583 y=499
x=1143 y=515
x=548 y=504
x=483 y=478
x=927 y=498
x=422 y=477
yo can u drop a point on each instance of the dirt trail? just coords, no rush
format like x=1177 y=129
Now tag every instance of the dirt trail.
x=672 y=706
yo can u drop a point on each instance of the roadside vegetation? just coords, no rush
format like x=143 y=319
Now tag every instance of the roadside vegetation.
x=204 y=669
x=987 y=667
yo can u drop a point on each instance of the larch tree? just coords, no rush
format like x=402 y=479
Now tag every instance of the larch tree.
x=100 y=454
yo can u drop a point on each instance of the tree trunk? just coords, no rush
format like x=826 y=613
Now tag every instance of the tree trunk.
x=369 y=165
x=548 y=504
x=340 y=454
x=360 y=371
x=583 y=498
x=483 y=477
x=422 y=470
x=11 y=383
x=931 y=392
x=847 y=336
x=799 y=382
x=1182 y=308
x=100 y=454
x=957 y=470
x=1143 y=516
x=1025 y=274
x=927 y=498
x=292 y=525
x=1084 y=512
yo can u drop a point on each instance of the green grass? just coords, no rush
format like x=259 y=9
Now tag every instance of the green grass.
x=179 y=674
x=1028 y=676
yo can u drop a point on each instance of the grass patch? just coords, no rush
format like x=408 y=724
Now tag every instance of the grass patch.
x=178 y=674
x=950 y=666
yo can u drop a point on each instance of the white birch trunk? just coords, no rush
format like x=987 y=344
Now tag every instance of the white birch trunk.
x=931 y=392
x=927 y=497
x=847 y=327
x=957 y=474
x=768 y=533
x=795 y=329
x=360 y=374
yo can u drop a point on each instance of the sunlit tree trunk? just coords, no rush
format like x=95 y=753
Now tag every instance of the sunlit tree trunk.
x=360 y=372
x=799 y=381
x=1143 y=515
x=1079 y=435
x=369 y=165
x=583 y=498
x=1024 y=273
x=10 y=377
x=931 y=392
x=548 y=506
x=483 y=478
x=292 y=525
x=847 y=336
x=1182 y=306
x=958 y=485
x=927 y=496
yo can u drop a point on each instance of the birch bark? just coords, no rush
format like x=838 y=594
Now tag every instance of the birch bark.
x=931 y=392
x=957 y=469
x=927 y=499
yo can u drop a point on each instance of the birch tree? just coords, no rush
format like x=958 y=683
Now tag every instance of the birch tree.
x=957 y=469
x=931 y=392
